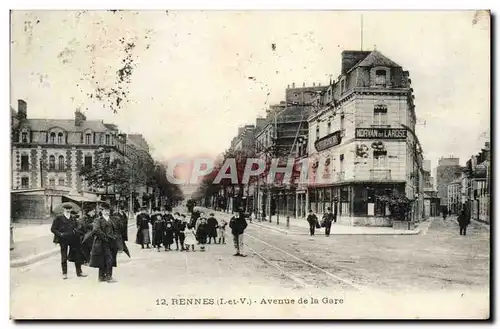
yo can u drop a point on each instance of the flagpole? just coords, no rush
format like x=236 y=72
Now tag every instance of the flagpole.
x=361 y=32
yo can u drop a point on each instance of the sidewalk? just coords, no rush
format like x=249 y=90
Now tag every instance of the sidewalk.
x=299 y=226
x=33 y=243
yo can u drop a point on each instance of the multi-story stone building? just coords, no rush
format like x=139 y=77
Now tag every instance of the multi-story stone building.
x=362 y=141
x=245 y=138
x=48 y=154
x=448 y=170
x=454 y=196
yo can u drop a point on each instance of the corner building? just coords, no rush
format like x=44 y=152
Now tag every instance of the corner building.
x=362 y=142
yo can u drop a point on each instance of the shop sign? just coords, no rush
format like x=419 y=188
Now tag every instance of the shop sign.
x=328 y=141
x=381 y=133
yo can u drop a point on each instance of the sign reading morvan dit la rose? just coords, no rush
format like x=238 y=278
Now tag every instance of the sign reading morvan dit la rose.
x=378 y=133
x=328 y=141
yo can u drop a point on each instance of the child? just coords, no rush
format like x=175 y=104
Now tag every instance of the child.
x=189 y=241
x=222 y=231
x=182 y=230
x=169 y=236
x=202 y=233
x=158 y=232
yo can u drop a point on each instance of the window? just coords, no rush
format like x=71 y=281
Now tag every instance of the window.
x=329 y=128
x=107 y=140
x=52 y=182
x=52 y=138
x=379 y=159
x=52 y=162
x=380 y=78
x=88 y=161
x=88 y=138
x=61 y=182
x=25 y=165
x=61 y=162
x=60 y=138
x=317 y=132
x=24 y=137
x=341 y=163
x=380 y=115
x=25 y=182
x=342 y=122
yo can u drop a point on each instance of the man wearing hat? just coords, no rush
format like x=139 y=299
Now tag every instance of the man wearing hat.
x=106 y=234
x=65 y=230
x=142 y=221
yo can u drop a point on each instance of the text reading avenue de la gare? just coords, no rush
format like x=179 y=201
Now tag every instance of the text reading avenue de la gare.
x=245 y=301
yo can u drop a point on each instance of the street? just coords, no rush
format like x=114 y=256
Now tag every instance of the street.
x=345 y=273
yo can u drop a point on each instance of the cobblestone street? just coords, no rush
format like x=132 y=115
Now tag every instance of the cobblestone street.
x=356 y=269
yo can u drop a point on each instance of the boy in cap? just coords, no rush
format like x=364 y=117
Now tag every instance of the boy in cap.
x=64 y=227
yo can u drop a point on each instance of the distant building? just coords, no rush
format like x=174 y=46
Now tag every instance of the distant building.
x=454 y=196
x=447 y=171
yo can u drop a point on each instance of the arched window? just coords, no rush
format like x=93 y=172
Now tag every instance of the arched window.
x=88 y=138
x=380 y=78
x=61 y=162
x=52 y=138
x=60 y=138
x=52 y=162
x=108 y=140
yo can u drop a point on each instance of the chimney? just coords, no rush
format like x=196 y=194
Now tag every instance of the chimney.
x=351 y=58
x=293 y=84
x=319 y=84
x=22 y=109
x=303 y=84
x=314 y=84
x=79 y=118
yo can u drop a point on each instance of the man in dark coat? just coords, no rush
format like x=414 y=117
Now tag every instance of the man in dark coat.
x=463 y=221
x=238 y=224
x=142 y=222
x=313 y=222
x=328 y=218
x=66 y=234
x=156 y=215
x=212 y=225
x=175 y=226
x=107 y=241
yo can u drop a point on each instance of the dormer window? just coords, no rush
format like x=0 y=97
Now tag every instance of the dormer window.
x=88 y=138
x=107 y=139
x=380 y=78
x=24 y=137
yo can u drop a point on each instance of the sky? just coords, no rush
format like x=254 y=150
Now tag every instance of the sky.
x=186 y=74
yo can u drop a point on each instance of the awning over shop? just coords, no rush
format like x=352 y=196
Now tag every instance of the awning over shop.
x=80 y=198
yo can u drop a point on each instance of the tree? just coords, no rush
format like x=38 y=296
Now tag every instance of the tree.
x=399 y=206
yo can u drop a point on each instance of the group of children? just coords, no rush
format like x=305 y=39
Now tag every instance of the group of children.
x=168 y=228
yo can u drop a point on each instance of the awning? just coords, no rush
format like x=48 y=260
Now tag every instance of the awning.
x=80 y=198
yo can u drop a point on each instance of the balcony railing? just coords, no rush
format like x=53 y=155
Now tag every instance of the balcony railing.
x=380 y=174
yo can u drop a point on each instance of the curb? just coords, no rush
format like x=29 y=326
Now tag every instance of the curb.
x=38 y=257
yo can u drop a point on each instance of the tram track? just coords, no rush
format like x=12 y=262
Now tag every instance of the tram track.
x=304 y=273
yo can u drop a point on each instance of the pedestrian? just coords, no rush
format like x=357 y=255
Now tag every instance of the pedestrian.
x=445 y=213
x=463 y=221
x=85 y=227
x=222 y=231
x=202 y=233
x=252 y=217
x=176 y=224
x=155 y=215
x=312 y=219
x=142 y=221
x=122 y=214
x=238 y=224
x=65 y=230
x=169 y=236
x=190 y=238
x=159 y=232
x=212 y=224
x=327 y=221
x=181 y=231
x=107 y=241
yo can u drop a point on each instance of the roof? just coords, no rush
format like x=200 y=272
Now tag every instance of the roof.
x=375 y=58
x=68 y=125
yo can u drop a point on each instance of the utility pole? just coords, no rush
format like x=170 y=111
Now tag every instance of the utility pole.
x=361 y=32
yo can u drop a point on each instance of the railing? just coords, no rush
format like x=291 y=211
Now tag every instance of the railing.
x=380 y=174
